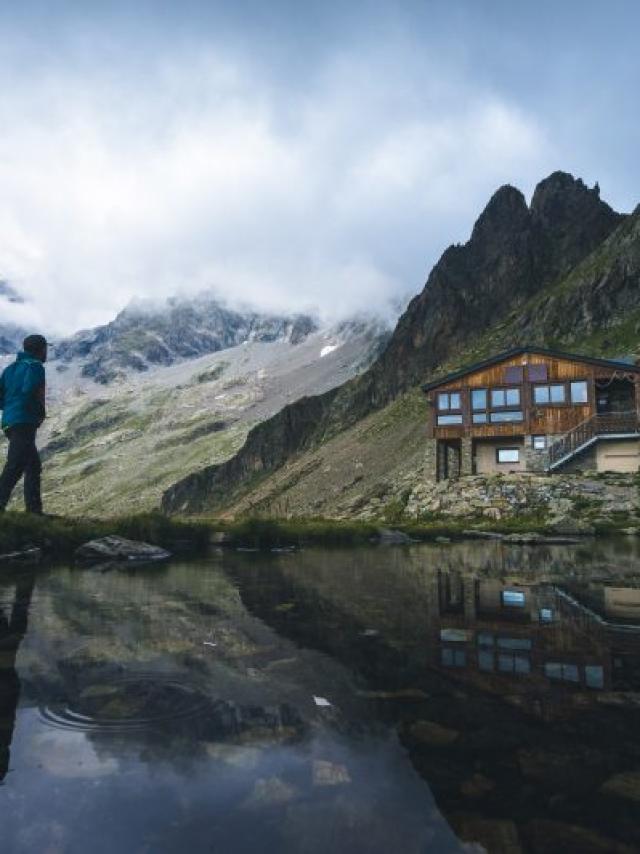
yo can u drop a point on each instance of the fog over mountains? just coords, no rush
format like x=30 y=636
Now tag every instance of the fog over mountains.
x=167 y=388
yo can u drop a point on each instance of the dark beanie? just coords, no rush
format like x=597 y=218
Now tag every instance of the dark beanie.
x=34 y=343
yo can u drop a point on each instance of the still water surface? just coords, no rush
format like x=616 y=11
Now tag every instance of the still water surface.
x=470 y=697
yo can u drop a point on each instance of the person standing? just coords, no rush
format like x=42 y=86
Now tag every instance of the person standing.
x=22 y=390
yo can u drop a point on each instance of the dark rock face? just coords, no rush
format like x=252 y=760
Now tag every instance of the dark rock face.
x=180 y=329
x=295 y=428
x=515 y=253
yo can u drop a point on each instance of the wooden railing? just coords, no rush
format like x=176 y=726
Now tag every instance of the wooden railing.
x=598 y=425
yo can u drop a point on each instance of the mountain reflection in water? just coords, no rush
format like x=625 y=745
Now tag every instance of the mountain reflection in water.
x=482 y=697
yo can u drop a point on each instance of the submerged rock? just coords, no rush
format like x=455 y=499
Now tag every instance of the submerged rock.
x=625 y=785
x=492 y=834
x=114 y=548
x=329 y=773
x=270 y=791
x=436 y=735
x=477 y=786
x=545 y=835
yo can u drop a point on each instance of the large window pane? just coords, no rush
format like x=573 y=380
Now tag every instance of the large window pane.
x=496 y=417
x=594 y=676
x=514 y=374
x=514 y=643
x=498 y=397
x=485 y=660
x=513 y=397
x=522 y=664
x=508 y=455
x=537 y=373
x=443 y=401
x=479 y=398
x=444 y=420
x=454 y=400
x=515 y=598
x=556 y=393
x=541 y=394
x=579 y=392
x=480 y=417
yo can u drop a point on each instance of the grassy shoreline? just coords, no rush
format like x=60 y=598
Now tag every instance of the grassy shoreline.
x=59 y=537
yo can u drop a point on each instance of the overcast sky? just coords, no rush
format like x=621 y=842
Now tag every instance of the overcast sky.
x=290 y=155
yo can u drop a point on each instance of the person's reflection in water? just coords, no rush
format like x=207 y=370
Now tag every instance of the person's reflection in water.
x=12 y=630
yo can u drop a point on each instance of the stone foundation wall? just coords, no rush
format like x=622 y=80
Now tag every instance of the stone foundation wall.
x=501 y=496
x=431 y=461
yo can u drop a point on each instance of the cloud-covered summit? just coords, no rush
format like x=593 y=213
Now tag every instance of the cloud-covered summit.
x=295 y=162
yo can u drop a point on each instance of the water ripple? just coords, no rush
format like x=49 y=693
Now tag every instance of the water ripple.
x=126 y=704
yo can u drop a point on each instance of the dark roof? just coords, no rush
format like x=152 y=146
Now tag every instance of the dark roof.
x=519 y=351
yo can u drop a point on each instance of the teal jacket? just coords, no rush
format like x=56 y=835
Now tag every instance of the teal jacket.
x=21 y=398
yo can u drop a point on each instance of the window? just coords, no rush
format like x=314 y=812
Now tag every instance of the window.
x=514 y=643
x=514 y=374
x=454 y=635
x=594 y=676
x=539 y=443
x=546 y=615
x=485 y=639
x=508 y=455
x=579 y=393
x=485 y=659
x=480 y=417
x=537 y=373
x=514 y=663
x=513 y=598
x=549 y=393
x=449 y=400
x=564 y=672
x=479 y=398
x=497 y=417
x=443 y=420
x=505 y=397
x=453 y=657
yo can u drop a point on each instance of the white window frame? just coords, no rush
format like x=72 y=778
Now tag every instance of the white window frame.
x=510 y=462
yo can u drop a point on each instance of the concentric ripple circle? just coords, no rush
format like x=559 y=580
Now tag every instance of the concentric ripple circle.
x=128 y=703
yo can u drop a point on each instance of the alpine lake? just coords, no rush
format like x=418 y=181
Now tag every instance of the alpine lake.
x=464 y=697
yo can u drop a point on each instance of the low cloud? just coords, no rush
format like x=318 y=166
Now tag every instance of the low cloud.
x=202 y=173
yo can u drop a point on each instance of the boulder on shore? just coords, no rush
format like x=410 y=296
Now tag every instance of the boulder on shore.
x=114 y=548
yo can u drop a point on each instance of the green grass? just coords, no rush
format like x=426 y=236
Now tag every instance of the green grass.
x=59 y=537
x=262 y=533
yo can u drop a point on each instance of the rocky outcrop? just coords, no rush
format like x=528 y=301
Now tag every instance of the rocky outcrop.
x=515 y=254
x=145 y=335
x=561 y=500
x=295 y=428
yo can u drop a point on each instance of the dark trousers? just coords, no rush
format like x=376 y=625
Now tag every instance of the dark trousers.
x=23 y=459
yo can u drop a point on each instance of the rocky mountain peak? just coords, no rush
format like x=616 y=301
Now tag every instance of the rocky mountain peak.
x=505 y=212
x=572 y=218
x=147 y=335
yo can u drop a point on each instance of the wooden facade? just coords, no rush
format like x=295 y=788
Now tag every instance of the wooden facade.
x=537 y=396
